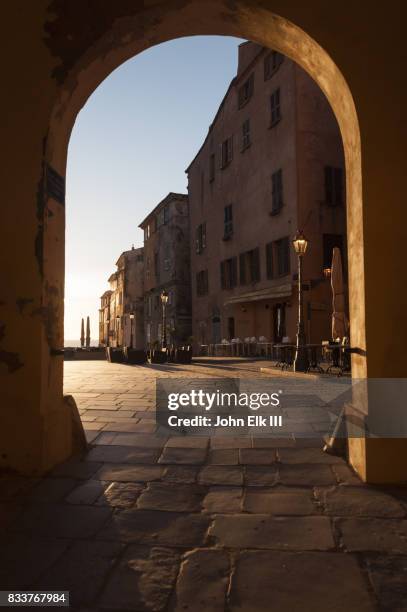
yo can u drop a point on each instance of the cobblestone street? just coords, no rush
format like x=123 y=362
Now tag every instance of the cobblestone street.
x=148 y=523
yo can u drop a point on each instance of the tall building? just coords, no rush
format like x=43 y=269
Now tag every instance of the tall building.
x=121 y=321
x=104 y=318
x=167 y=267
x=272 y=163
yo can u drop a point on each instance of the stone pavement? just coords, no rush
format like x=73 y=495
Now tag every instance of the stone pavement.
x=146 y=523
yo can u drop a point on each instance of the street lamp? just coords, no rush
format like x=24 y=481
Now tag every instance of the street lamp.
x=301 y=363
x=164 y=301
x=131 y=328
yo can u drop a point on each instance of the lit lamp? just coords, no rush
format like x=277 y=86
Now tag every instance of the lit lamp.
x=301 y=364
x=327 y=272
x=164 y=301
x=131 y=315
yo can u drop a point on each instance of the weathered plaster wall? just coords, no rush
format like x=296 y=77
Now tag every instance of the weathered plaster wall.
x=56 y=53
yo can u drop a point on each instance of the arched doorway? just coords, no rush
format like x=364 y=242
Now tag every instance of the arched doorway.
x=77 y=75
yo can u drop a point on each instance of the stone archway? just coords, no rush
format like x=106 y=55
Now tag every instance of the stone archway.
x=117 y=35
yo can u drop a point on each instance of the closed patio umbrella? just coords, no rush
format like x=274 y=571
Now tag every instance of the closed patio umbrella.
x=87 y=332
x=82 y=333
x=340 y=323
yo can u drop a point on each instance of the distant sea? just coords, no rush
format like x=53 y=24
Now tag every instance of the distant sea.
x=75 y=343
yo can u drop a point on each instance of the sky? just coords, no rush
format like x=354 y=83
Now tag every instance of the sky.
x=130 y=146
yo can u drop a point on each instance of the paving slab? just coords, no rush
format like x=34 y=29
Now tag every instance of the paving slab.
x=359 y=501
x=307 y=455
x=155 y=527
x=260 y=475
x=223 y=456
x=120 y=495
x=388 y=574
x=224 y=500
x=279 y=501
x=221 y=475
x=81 y=570
x=62 y=520
x=203 y=581
x=142 y=580
x=309 y=581
x=129 y=473
x=180 y=474
x=381 y=535
x=275 y=533
x=123 y=454
x=257 y=456
x=86 y=493
x=164 y=496
x=187 y=456
x=306 y=475
x=187 y=442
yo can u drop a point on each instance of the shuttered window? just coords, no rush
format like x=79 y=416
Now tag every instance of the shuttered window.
x=200 y=237
x=246 y=91
x=275 y=107
x=249 y=266
x=228 y=273
x=272 y=62
x=276 y=191
x=282 y=247
x=246 y=141
x=269 y=260
x=228 y=221
x=226 y=152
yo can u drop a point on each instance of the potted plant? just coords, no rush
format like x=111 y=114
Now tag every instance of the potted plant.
x=157 y=354
x=184 y=353
x=134 y=356
x=114 y=354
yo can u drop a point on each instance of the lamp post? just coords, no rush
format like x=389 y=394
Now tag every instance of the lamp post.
x=164 y=301
x=301 y=363
x=131 y=328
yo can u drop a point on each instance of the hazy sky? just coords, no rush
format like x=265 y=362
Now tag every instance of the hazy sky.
x=130 y=146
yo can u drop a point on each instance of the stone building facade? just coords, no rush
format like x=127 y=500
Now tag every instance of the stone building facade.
x=104 y=318
x=167 y=267
x=272 y=163
x=121 y=316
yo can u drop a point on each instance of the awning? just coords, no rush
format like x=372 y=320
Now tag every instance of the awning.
x=270 y=293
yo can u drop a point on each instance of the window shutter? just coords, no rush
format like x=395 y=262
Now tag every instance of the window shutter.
x=222 y=275
x=256 y=265
x=221 y=159
x=197 y=246
x=269 y=260
x=242 y=268
x=203 y=235
x=233 y=279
